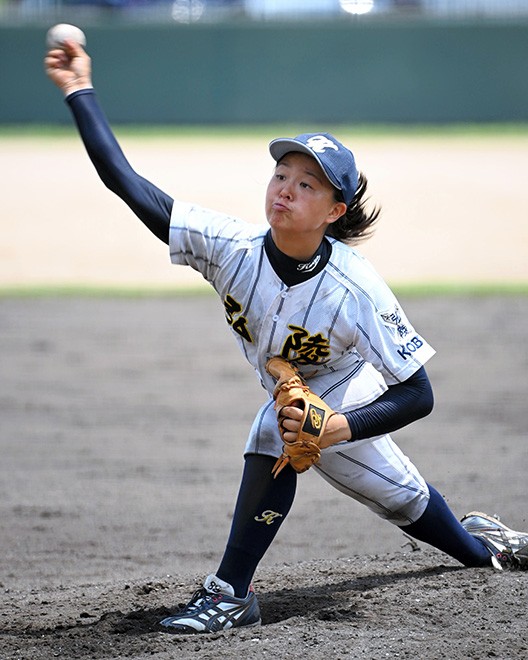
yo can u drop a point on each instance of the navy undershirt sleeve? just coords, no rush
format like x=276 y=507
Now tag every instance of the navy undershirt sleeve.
x=152 y=206
x=400 y=405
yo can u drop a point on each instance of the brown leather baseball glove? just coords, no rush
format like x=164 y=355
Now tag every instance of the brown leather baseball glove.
x=291 y=390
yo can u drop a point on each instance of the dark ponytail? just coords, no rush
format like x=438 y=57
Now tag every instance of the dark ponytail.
x=357 y=223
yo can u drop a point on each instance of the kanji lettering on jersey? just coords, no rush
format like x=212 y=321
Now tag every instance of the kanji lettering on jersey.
x=309 y=349
x=235 y=319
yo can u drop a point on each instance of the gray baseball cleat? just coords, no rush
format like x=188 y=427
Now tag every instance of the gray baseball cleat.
x=509 y=549
x=214 y=608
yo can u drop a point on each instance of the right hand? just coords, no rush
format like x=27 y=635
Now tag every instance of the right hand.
x=337 y=428
x=69 y=68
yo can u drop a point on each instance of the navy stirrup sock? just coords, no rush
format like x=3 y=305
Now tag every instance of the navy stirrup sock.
x=262 y=505
x=439 y=527
x=264 y=502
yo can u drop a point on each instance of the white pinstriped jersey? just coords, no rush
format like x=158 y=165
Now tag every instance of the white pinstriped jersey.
x=343 y=327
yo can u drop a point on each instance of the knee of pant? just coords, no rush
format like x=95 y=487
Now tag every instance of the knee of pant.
x=406 y=509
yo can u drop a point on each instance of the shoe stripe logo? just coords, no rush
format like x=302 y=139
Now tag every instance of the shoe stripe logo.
x=224 y=619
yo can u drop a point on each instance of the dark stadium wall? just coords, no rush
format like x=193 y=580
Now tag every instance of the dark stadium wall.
x=248 y=73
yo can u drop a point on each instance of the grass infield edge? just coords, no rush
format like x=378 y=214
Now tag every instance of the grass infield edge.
x=422 y=289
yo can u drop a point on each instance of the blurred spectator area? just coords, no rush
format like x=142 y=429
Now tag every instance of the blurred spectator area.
x=217 y=10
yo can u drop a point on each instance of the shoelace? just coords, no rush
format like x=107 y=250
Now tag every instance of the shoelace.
x=513 y=542
x=200 y=597
x=510 y=550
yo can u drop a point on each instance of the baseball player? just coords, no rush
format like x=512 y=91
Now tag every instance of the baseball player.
x=297 y=289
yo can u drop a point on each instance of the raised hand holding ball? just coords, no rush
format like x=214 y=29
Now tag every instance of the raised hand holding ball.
x=66 y=63
x=58 y=34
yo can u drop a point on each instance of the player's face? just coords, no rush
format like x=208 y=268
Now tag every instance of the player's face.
x=300 y=200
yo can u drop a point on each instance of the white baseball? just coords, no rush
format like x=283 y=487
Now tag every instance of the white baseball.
x=57 y=35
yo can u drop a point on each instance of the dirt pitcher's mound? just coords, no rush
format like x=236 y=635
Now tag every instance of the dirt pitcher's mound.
x=411 y=605
x=123 y=426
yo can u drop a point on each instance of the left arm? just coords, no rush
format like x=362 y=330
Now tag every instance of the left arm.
x=399 y=406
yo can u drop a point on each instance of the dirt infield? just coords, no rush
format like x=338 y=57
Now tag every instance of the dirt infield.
x=121 y=454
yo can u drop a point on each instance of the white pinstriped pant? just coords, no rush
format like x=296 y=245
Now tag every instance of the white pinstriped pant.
x=374 y=472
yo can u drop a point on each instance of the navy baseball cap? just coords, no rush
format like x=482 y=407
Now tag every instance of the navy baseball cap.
x=337 y=162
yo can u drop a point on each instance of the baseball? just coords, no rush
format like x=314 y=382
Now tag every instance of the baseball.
x=56 y=35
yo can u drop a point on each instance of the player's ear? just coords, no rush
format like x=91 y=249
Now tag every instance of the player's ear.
x=339 y=209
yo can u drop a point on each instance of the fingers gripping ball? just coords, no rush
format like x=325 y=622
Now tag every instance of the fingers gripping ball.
x=291 y=390
x=58 y=34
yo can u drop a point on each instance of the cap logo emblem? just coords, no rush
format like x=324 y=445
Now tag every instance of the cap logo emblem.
x=319 y=143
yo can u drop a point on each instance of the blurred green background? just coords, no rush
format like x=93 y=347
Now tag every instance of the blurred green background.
x=214 y=62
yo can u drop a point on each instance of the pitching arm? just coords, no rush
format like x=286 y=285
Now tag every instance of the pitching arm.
x=149 y=203
x=70 y=70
